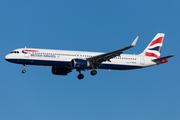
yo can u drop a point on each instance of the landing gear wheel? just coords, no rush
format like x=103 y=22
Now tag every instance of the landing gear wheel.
x=93 y=72
x=80 y=76
x=23 y=71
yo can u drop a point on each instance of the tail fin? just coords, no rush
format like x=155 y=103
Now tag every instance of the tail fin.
x=154 y=48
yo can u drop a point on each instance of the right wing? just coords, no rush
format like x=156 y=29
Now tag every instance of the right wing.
x=97 y=60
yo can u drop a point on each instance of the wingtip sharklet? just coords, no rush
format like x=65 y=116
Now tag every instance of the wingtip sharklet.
x=134 y=42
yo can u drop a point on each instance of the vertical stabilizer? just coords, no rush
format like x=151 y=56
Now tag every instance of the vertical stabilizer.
x=154 y=48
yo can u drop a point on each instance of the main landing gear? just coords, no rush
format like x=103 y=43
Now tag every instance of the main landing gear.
x=81 y=76
x=93 y=72
x=24 y=71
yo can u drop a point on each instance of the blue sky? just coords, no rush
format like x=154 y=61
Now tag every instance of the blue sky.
x=96 y=25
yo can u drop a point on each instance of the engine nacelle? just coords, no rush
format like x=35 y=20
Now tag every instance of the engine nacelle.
x=80 y=63
x=57 y=70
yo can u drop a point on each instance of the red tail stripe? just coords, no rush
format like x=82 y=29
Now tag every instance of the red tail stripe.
x=159 y=40
x=30 y=50
x=151 y=54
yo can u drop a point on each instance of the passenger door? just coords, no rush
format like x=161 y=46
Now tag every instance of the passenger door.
x=142 y=61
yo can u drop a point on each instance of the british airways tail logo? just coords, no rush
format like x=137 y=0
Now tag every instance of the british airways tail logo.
x=154 y=48
x=151 y=54
x=158 y=48
x=159 y=40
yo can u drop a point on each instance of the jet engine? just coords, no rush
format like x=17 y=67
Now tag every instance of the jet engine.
x=57 y=70
x=80 y=64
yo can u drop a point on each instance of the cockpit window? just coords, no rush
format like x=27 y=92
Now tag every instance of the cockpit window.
x=15 y=52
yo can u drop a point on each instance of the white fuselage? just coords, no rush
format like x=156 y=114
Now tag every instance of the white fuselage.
x=48 y=57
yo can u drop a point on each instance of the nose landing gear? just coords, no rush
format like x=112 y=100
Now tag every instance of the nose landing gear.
x=24 y=71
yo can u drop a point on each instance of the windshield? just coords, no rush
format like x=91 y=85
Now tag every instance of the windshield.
x=15 y=52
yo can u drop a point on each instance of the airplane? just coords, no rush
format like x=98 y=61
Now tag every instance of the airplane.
x=64 y=61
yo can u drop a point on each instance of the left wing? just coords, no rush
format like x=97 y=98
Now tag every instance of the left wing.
x=97 y=60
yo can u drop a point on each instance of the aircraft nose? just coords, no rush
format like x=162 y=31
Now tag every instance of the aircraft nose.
x=7 y=57
x=10 y=58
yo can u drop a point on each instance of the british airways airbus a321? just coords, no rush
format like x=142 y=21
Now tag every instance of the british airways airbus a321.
x=63 y=61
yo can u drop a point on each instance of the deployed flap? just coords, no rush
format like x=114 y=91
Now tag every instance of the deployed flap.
x=97 y=60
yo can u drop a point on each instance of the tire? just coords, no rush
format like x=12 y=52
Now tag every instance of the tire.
x=80 y=76
x=23 y=71
x=93 y=72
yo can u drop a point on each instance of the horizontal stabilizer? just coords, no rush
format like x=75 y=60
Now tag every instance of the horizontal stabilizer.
x=159 y=59
x=162 y=60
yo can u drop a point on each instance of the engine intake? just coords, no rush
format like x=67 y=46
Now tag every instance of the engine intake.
x=79 y=63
